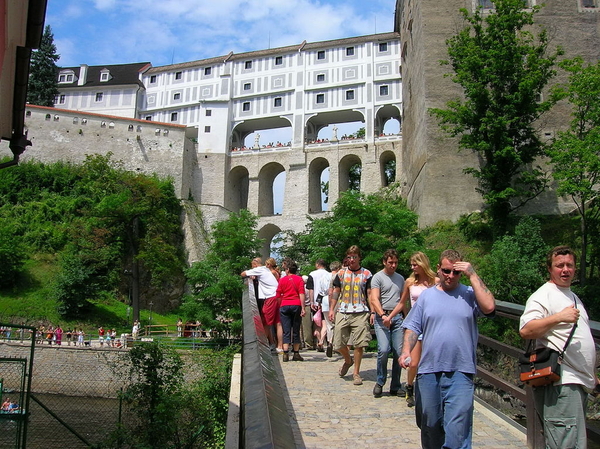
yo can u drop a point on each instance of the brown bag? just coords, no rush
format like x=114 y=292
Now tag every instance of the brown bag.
x=540 y=367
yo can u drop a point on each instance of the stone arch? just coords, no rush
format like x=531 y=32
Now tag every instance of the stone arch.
x=265 y=187
x=322 y=120
x=346 y=163
x=315 y=171
x=266 y=234
x=238 y=186
x=387 y=168
x=243 y=129
x=383 y=115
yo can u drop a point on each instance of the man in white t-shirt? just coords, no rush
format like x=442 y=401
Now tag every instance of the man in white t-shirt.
x=549 y=316
x=317 y=286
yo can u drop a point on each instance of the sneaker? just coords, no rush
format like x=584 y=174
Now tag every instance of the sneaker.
x=357 y=379
x=377 y=391
x=329 y=352
x=345 y=367
x=297 y=357
x=286 y=356
x=320 y=348
x=279 y=350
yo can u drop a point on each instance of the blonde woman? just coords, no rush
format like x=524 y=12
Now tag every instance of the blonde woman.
x=271 y=264
x=421 y=278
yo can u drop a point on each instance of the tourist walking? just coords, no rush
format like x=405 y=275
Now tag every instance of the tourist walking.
x=290 y=295
x=349 y=308
x=386 y=289
x=421 y=278
x=446 y=315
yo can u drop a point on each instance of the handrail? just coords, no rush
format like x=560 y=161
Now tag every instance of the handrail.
x=535 y=437
x=264 y=420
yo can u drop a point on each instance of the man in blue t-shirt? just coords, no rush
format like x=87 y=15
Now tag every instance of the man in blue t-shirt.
x=446 y=315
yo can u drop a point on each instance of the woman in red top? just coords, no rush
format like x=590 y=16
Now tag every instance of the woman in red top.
x=290 y=294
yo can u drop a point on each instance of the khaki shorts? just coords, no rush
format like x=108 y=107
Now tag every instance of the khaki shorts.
x=355 y=325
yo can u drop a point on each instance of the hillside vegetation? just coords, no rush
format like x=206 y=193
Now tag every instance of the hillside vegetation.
x=68 y=237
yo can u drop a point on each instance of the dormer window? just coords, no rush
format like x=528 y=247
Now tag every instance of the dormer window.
x=104 y=75
x=67 y=76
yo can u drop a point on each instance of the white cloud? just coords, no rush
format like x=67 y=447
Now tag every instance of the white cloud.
x=110 y=31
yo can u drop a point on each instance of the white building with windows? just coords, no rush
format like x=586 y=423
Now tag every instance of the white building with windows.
x=302 y=88
x=111 y=89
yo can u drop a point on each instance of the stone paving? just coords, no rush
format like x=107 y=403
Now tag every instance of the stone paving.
x=327 y=411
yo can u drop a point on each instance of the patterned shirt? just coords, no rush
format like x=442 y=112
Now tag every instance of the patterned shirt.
x=353 y=287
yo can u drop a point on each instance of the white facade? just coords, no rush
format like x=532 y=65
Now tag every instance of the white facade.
x=305 y=87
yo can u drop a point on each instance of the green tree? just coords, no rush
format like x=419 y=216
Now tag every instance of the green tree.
x=215 y=280
x=354 y=175
x=374 y=222
x=171 y=412
x=516 y=265
x=12 y=254
x=502 y=68
x=43 y=87
x=575 y=153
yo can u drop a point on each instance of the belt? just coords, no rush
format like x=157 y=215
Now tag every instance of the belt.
x=388 y=311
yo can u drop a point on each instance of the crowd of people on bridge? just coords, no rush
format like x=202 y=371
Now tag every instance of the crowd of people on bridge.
x=428 y=323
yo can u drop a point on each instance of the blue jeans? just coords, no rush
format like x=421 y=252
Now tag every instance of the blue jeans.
x=444 y=409
x=389 y=340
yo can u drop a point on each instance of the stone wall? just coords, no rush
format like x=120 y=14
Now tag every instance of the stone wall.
x=436 y=187
x=76 y=371
x=70 y=371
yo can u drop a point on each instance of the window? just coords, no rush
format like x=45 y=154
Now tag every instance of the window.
x=277 y=102
x=104 y=76
x=174 y=116
x=486 y=4
x=62 y=99
x=320 y=77
x=278 y=60
x=207 y=129
x=350 y=51
x=207 y=71
x=589 y=3
x=321 y=54
x=177 y=96
x=248 y=65
x=246 y=106
x=208 y=112
x=247 y=86
x=383 y=91
x=65 y=78
x=99 y=96
x=349 y=95
x=178 y=75
x=383 y=47
x=152 y=78
x=149 y=118
x=320 y=98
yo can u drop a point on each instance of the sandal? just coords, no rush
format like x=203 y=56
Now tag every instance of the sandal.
x=345 y=367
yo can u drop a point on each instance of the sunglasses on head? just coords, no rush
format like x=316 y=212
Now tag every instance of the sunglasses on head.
x=448 y=271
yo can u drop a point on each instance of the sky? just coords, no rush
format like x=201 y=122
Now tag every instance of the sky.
x=164 y=32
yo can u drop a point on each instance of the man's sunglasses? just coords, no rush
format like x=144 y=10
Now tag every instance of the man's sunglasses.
x=448 y=271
